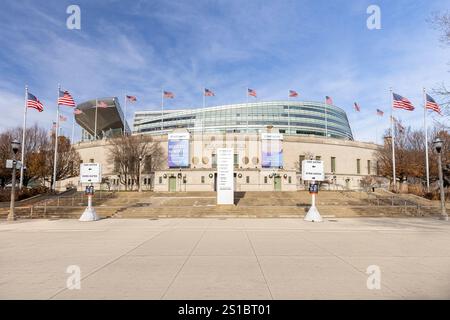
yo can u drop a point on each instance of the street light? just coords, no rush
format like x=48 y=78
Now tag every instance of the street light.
x=140 y=184
x=437 y=143
x=15 y=145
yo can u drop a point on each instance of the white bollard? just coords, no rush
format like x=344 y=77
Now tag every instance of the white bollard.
x=313 y=214
x=89 y=213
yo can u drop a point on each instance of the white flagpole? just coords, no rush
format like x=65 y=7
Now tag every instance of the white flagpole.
x=125 y=116
x=73 y=128
x=23 y=138
x=326 y=120
x=393 y=141
x=55 y=158
x=203 y=116
x=427 y=168
x=246 y=114
x=162 y=110
x=289 y=114
x=95 y=125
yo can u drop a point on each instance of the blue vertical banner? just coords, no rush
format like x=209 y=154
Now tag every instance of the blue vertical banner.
x=272 y=150
x=178 y=150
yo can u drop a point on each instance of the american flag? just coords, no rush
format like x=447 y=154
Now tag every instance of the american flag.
x=402 y=103
x=293 y=93
x=380 y=112
x=328 y=100
x=131 y=98
x=431 y=104
x=209 y=93
x=62 y=118
x=77 y=111
x=168 y=95
x=102 y=104
x=33 y=102
x=65 y=99
x=251 y=92
x=357 y=108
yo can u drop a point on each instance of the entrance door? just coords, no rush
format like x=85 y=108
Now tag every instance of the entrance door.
x=277 y=183
x=215 y=181
x=172 y=184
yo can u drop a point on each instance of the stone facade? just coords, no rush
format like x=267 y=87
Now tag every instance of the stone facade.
x=346 y=163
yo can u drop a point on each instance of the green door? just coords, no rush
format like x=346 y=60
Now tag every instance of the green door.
x=172 y=184
x=277 y=183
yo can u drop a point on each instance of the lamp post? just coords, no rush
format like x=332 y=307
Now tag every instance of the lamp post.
x=140 y=184
x=15 y=145
x=437 y=143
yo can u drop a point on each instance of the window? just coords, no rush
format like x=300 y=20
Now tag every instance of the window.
x=247 y=179
x=236 y=160
x=368 y=166
x=203 y=179
x=318 y=157
x=300 y=159
x=265 y=179
x=91 y=160
x=145 y=181
x=290 y=179
x=160 y=180
x=358 y=166
x=333 y=164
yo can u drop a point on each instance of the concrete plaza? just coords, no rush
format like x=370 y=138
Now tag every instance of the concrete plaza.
x=225 y=258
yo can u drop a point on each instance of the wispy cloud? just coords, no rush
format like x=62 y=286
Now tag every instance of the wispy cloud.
x=316 y=48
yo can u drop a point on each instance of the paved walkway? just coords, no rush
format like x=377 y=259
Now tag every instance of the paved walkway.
x=225 y=259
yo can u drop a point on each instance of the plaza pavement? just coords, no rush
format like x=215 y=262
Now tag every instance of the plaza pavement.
x=225 y=258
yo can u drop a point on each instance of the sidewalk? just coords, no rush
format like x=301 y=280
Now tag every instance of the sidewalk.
x=225 y=258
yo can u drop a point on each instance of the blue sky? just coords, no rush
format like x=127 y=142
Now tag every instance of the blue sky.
x=318 y=48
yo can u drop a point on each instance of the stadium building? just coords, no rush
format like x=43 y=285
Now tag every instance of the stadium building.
x=269 y=139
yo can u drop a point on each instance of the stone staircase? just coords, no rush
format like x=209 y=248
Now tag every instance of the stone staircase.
x=247 y=204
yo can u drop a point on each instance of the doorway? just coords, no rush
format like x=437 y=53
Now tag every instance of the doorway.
x=172 y=184
x=277 y=183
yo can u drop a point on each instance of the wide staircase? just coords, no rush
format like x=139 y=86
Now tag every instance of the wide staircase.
x=247 y=204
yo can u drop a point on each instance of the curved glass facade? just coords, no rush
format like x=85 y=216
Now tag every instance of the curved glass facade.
x=290 y=117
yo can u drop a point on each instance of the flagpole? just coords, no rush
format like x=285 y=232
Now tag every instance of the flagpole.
x=23 y=138
x=125 y=116
x=162 y=110
x=326 y=121
x=393 y=141
x=95 y=125
x=203 y=116
x=289 y=113
x=427 y=168
x=73 y=127
x=55 y=157
x=247 y=110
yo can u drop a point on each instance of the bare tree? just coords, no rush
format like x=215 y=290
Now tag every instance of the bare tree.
x=441 y=22
x=39 y=155
x=125 y=152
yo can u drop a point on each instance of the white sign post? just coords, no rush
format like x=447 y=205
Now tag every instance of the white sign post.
x=90 y=173
x=225 y=180
x=312 y=171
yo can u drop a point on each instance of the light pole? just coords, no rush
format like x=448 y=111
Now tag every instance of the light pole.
x=15 y=145
x=437 y=143
x=140 y=184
